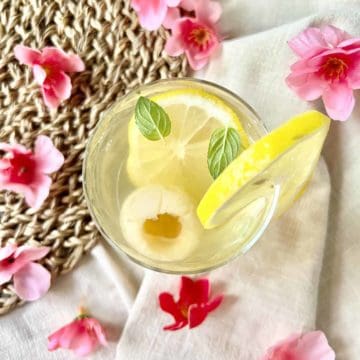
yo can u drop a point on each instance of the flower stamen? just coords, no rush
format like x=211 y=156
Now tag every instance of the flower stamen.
x=334 y=68
x=200 y=36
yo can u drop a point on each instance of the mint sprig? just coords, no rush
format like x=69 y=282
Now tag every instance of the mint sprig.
x=224 y=147
x=151 y=119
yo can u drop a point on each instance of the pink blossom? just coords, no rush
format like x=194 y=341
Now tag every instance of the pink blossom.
x=152 y=12
x=82 y=335
x=193 y=305
x=329 y=67
x=49 y=67
x=31 y=280
x=310 y=346
x=197 y=36
x=26 y=172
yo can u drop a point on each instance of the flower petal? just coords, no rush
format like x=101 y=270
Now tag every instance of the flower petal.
x=174 y=46
x=61 y=61
x=208 y=12
x=168 y=304
x=83 y=343
x=50 y=98
x=339 y=101
x=7 y=251
x=36 y=194
x=197 y=315
x=350 y=44
x=215 y=303
x=313 y=345
x=194 y=292
x=353 y=78
x=98 y=330
x=22 y=256
x=18 y=188
x=333 y=35
x=199 y=312
x=54 y=338
x=32 y=281
x=172 y=3
x=188 y=5
x=308 y=43
x=26 y=55
x=39 y=74
x=172 y=15
x=307 y=86
x=48 y=157
x=196 y=64
x=60 y=83
x=25 y=253
x=151 y=13
x=11 y=148
x=70 y=331
x=176 y=326
x=5 y=274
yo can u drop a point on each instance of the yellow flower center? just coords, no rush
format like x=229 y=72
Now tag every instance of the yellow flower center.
x=334 y=68
x=200 y=36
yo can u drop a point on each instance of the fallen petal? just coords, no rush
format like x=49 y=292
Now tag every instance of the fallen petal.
x=48 y=157
x=32 y=281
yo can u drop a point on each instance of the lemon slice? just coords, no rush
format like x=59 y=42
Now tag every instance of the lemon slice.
x=284 y=159
x=181 y=158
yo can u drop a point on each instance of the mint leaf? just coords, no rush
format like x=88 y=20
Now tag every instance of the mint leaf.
x=224 y=147
x=151 y=119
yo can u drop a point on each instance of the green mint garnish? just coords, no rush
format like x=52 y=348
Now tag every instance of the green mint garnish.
x=151 y=119
x=224 y=147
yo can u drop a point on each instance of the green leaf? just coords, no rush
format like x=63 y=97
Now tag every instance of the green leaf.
x=224 y=147
x=151 y=119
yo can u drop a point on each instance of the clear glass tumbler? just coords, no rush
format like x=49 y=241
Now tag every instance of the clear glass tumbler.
x=107 y=184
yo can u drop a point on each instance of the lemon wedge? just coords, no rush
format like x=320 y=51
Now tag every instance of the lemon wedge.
x=284 y=159
x=180 y=159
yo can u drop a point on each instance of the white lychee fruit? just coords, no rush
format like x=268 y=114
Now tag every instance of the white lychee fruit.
x=160 y=223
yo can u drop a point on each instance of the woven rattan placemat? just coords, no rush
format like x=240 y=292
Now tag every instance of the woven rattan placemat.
x=118 y=55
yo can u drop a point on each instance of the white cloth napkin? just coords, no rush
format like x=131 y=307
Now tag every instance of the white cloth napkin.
x=273 y=290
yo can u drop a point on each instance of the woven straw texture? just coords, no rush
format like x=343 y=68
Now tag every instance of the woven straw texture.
x=118 y=55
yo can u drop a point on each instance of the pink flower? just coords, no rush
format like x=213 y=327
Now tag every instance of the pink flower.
x=197 y=37
x=329 y=67
x=193 y=305
x=49 y=67
x=27 y=173
x=31 y=280
x=82 y=335
x=310 y=346
x=152 y=12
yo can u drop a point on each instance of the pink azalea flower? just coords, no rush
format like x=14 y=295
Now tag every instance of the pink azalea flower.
x=26 y=172
x=310 y=346
x=82 y=335
x=197 y=37
x=329 y=67
x=152 y=12
x=193 y=305
x=49 y=67
x=31 y=280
